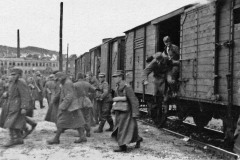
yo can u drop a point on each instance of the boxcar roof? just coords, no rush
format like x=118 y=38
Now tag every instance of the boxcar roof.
x=94 y=48
x=112 y=39
x=164 y=17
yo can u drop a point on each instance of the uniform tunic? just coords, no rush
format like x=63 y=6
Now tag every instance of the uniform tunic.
x=126 y=128
x=18 y=98
x=159 y=73
x=49 y=90
x=38 y=93
x=82 y=91
x=104 y=100
x=68 y=119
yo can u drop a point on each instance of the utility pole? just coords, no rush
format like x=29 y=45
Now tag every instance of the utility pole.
x=60 y=38
x=18 y=44
x=67 y=60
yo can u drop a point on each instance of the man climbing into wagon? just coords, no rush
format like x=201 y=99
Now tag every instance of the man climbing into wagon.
x=160 y=67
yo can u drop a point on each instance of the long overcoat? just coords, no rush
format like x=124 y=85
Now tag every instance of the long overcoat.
x=38 y=90
x=18 y=98
x=126 y=128
x=49 y=90
x=52 y=112
x=68 y=118
x=3 y=102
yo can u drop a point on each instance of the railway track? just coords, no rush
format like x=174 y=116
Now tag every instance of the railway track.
x=213 y=149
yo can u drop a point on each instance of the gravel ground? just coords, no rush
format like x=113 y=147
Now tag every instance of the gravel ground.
x=156 y=144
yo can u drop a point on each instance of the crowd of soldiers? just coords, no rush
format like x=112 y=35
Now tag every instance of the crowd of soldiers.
x=72 y=104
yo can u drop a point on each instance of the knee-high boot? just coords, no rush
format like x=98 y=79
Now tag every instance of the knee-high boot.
x=15 y=138
x=41 y=104
x=100 y=128
x=82 y=137
x=56 y=140
x=110 y=122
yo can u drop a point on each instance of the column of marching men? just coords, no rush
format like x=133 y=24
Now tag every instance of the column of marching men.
x=77 y=105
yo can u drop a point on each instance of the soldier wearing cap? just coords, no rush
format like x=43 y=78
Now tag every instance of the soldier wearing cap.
x=49 y=87
x=159 y=66
x=104 y=99
x=83 y=89
x=53 y=102
x=38 y=92
x=94 y=111
x=69 y=113
x=126 y=128
x=18 y=99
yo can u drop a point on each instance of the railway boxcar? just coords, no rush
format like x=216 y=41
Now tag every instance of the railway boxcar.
x=95 y=54
x=145 y=40
x=112 y=57
x=80 y=63
x=209 y=38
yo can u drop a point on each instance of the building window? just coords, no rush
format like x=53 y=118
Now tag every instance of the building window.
x=53 y=64
x=21 y=63
x=14 y=63
x=40 y=64
x=43 y=64
x=29 y=64
x=10 y=63
x=37 y=64
x=47 y=64
x=25 y=63
x=33 y=64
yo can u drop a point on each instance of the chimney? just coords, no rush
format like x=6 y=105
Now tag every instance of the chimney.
x=18 y=44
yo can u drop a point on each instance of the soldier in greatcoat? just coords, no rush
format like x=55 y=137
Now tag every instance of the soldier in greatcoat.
x=104 y=102
x=69 y=113
x=126 y=128
x=3 y=102
x=29 y=114
x=95 y=115
x=53 y=99
x=83 y=89
x=49 y=88
x=38 y=92
x=18 y=98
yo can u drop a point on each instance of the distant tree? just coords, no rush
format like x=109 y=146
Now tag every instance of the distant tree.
x=35 y=56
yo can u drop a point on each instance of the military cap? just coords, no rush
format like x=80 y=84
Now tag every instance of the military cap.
x=61 y=75
x=51 y=76
x=54 y=72
x=101 y=75
x=80 y=75
x=16 y=70
x=118 y=73
x=166 y=39
x=38 y=73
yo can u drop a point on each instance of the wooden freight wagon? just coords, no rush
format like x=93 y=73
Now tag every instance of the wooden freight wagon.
x=112 y=57
x=95 y=54
x=87 y=62
x=144 y=41
x=78 y=65
x=210 y=56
